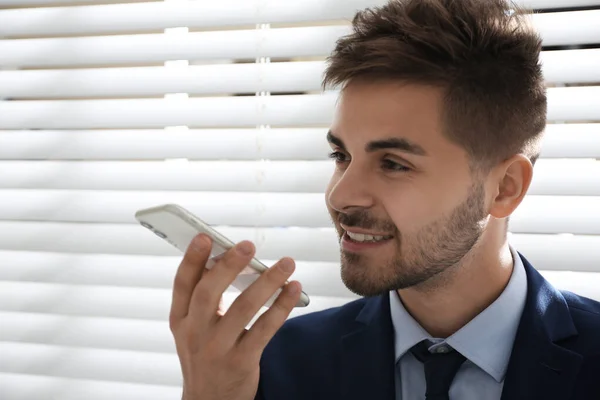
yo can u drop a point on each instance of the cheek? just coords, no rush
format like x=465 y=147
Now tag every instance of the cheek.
x=411 y=210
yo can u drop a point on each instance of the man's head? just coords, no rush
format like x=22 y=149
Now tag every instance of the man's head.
x=438 y=125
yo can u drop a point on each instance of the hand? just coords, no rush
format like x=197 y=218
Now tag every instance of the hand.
x=219 y=357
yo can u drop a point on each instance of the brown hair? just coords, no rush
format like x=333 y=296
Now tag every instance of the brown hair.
x=483 y=53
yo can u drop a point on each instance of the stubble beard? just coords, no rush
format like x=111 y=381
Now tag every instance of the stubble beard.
x=422 y=260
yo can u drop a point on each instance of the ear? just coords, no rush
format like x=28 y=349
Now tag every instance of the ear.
x=511 y=181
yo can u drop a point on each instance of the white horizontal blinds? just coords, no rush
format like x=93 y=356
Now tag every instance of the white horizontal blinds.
x=87 y=137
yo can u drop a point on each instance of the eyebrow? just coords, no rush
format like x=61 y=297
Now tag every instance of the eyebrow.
x=394 y=143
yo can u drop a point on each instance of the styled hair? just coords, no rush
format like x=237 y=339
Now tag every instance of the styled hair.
x=484 y=54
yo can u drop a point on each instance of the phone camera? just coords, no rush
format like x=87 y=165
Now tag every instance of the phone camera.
x=160 y=234
x=146 y=225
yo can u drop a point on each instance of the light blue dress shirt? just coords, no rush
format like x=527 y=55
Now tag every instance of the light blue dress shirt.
x=486 y=342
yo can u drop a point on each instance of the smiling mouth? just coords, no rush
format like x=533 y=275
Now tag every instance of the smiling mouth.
x=363 y=238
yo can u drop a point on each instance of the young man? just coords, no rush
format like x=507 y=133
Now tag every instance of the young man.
x=438 y=126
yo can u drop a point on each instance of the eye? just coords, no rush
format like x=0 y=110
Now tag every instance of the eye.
x=338 y=157
x=393 y=166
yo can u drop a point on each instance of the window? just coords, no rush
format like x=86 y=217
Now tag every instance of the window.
x=108 y=107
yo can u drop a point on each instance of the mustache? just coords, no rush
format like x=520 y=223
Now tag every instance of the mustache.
x=362 y=219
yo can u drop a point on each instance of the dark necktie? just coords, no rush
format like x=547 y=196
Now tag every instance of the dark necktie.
x=440 y=369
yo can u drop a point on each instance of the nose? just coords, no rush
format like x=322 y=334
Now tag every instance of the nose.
x=349 y=188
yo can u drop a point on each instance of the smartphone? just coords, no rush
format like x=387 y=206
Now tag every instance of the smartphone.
x=179 y=226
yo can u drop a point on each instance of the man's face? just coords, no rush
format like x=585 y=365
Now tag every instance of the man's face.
x=398 y=177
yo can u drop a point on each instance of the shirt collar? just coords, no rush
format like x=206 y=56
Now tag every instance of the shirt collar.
x=488 y=348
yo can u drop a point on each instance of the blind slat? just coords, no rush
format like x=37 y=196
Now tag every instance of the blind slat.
x=272 y=243
x=96 y=332
x=571 y=141
x=561 y=28
x=561 y=141
x=564 y=104
x=250 y=176
x=302 y=110
x=194 y=144
x=573 y=66
x=216 y=208
x=148 y=48
x=156 y=81
x=86 y=363
x=28 y=386
x=552 y=177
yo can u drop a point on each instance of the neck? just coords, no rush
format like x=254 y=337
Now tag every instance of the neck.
x=448 y=301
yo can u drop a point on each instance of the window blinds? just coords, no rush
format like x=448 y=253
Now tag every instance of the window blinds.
x=107 y=107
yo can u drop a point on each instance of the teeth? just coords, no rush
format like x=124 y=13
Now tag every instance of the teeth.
x=359 y=237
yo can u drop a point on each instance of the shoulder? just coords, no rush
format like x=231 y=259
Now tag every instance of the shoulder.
x=586 y=315
x=585 y=312
x=576 y=302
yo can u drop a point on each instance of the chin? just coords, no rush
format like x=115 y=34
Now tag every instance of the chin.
x=361 y=289
x=360 y=281
x=361 y=278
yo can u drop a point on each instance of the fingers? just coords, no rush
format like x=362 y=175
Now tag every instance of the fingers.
x=188 y=274
x=256 y=339
x=208 y=292
x=249 y=302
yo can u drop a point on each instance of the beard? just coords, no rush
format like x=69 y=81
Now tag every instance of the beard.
x=435 y=248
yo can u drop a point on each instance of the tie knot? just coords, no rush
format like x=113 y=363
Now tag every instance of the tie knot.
x=440 y=369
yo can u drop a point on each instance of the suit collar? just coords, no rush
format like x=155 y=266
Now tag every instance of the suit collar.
x=539 y=368
x=367 y=364
x=546 y=310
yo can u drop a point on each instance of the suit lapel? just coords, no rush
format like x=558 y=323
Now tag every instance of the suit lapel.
x=539 y=368
x=367 y=364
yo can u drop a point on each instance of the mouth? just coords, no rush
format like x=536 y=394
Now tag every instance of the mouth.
x=363 y=235
x=366 y=238
x=357 y=242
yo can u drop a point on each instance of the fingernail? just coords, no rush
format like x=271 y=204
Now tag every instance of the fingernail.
x=244 y=248
x=286 y=265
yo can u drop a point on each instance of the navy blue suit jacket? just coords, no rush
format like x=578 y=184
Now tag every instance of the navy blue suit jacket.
x=348 y=352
